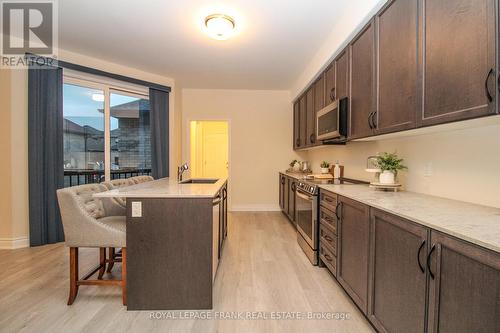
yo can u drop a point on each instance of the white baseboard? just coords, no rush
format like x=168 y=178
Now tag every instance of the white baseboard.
x=14 y=243
x=255 y=208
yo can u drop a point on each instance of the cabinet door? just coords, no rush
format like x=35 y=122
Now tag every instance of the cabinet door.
x=464 y=293
x=282 y=183
x=458 y=54
x=353 y=250
x=397 y=66
x=311 y=118
x=296 y=125
x=285 y=195
x=330 y=84
x=362 y=82
x=291 y=198
x=302 y=121
x=319 y=95
x=397 y=288
x=342 y=75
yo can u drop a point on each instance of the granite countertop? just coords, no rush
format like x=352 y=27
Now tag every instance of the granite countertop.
x=474 y=223
x=165 y=188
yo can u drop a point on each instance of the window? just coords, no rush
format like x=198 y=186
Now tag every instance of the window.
x=106 y=132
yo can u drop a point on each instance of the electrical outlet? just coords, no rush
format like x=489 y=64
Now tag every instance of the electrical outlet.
x=428 y=169
x=136 y=209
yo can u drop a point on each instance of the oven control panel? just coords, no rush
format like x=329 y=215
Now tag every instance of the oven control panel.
x=305 y=187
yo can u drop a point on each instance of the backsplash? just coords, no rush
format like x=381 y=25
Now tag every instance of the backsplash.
x=461 y=164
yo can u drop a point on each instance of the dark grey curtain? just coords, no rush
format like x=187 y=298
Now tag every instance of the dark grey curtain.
x=45 y=154
x=158 y=101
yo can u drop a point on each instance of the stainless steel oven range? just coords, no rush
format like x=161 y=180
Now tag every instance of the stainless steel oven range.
x=306 y=217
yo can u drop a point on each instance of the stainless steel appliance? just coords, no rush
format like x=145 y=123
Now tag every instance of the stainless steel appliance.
x=306 y=213
x=306 y=217
x=331 y=121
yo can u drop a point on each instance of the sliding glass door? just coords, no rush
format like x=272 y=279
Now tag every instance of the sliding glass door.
x=106 y=132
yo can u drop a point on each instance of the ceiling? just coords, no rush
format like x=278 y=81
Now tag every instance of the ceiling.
x=273 y=42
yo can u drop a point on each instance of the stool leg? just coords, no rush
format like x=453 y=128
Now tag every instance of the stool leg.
x=102 y=262
x=112 y=257
x=124 y=275
x=73 y=274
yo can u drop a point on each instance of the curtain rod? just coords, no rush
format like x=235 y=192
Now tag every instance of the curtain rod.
x=89 y=70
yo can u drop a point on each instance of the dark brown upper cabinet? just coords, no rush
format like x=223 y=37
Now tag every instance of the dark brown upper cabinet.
x=458 y=60
x=296 y=125
x=464 y=289
x=302 y=122
x=362 y=83
x=329 y=78
x=397 y=297
x=353 y=250
x=342 y=75
x=311 y=118
x=319 y=94
x=397 y=70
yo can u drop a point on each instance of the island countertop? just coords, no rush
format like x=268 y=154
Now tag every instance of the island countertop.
x=165 y=188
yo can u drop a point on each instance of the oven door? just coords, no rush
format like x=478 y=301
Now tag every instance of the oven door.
x=305 y=216
x=327 y=122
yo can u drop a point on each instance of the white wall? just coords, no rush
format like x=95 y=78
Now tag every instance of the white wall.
x=14 y=225
x=260 y=140
x=465 y=162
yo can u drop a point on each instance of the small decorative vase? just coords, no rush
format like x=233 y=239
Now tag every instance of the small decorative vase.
x=296 y=167
x=325 y=170
x=387 y=177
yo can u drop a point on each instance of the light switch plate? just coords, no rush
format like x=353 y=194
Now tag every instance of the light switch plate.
x=136 y=209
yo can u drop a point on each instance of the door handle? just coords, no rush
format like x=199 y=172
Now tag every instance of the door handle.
x=429 y=261
x=486 y=86
x=370 y=120
x=422 y=269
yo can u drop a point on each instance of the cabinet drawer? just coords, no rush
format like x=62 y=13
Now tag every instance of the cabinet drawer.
x=328 y=259
x=328 y=200
x=326 y=236
x=328 y=218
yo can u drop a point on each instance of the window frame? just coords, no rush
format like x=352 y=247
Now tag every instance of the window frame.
x=107 y=86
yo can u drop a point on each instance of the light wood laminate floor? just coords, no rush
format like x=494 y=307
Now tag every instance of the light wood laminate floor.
x=262 y=269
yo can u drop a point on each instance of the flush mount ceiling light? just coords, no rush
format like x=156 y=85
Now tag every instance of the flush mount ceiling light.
x=219 y=26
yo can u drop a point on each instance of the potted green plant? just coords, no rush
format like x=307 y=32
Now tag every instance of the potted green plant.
x=325 y=167
x=389 y=165
x=295 y=165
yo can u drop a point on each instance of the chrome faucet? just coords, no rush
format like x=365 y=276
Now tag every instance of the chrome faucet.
x=180 y=171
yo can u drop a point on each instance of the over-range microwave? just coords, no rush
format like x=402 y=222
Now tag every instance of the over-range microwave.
x=332 y=120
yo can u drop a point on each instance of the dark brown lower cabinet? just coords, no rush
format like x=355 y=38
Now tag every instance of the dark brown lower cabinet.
x=464 y=289
x=353 y=250
x=398 y=249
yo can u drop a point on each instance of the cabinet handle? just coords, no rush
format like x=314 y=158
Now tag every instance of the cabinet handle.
x=370 y=120
x=327 y=257
x=418 y=256
x=374 y=122
x=311 y=138
x=486 y=86
x=282 y=180
x=337 y=208
x=332 y=94
x=297 y=142
x=327 y=218
x=429 y=261
x=294 y=187
x=328 y=238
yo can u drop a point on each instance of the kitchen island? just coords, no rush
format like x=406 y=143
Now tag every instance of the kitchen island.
x=175 y=235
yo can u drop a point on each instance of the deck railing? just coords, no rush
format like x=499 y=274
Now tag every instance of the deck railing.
x=74 y=177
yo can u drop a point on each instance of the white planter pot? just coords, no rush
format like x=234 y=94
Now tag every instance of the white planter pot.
x=325 y=170
x=387 y=177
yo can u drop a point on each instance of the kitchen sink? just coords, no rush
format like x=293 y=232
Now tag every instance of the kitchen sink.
x=199 y=181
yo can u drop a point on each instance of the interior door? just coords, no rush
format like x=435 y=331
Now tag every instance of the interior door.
x=362 y=83
x=458 y=60
x=215 y=155
x=397 y=296
x=464 y=294
x=397 y=66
